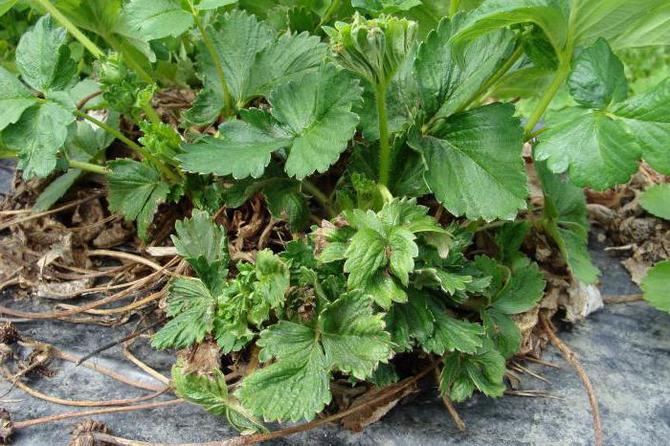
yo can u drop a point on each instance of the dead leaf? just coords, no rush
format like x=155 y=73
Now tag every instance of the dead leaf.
x=580 y=301
x=377 y=405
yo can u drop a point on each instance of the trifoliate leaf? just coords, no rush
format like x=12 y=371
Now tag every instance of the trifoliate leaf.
x=347 y=337
x=297 y=385
x=39 y=135
x=483 y=370
x=204 y=245
x=212 y=394
x=446 y=85
x=655 y=286
x=312 y=119
x=656 y=200
x=451 y=333
x=522 y=291
x=353 y=337
x=567 y=222
x=474 y=164
x=273 y=278
x=135 y=191
x=502 y=330
x=647 y=117
x=191 y=305
x=155 y=19
x=597 y=77
x=15 y=98
x=43 y=57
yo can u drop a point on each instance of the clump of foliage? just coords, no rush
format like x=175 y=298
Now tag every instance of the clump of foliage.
x=384 y=102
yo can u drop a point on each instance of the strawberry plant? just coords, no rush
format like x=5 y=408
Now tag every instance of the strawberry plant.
x=395 y=128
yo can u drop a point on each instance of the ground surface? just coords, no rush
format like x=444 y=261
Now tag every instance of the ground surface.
x=625 y=349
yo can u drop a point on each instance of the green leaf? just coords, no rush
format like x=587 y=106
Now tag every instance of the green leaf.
x=273 y=278
x=155 y=19
x=238 y=38
x=452 y=334
x=353 y=337
x=212 y=394
x=295 y=387
x=15 y=98
x=446 y=85
x=550 y=15
x=365 y=255
x=317 y=112
x=204 y=245
x=403 y=250
x=410 y=321
x=597 y=77
x=55 y=190
x=656 y=200
x=43 y=57
x=655 y=286
x=242 y=151
x=347 y=337
x=384 y=290
x=385 y=6
x=191 y=305
x=206 y=5
x=288 y=58
x=595 y=149
x=647 y=117
x=39 y=135
x=652 y=28
x=462 y=373
x=286 y=202
x=522 y=291
x=502 y=330
x=622 y=23
x=6 y=5
x=567 y=222
x=135 y=191
x=474 y=164
x=312 y=119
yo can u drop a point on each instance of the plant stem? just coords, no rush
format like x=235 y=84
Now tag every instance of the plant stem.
x=88 y=167
x=559 y=78
x=169 y=174
x=504 y=68
x=329 y=13
x=72 y=28
x=384 y=146
x=453 y=7
x=151 y=113
x=214 y=55
x=112 y=131
x=314 y=191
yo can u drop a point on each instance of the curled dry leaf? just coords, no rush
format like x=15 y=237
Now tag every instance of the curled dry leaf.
x=81 y=434
x=372 y=413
